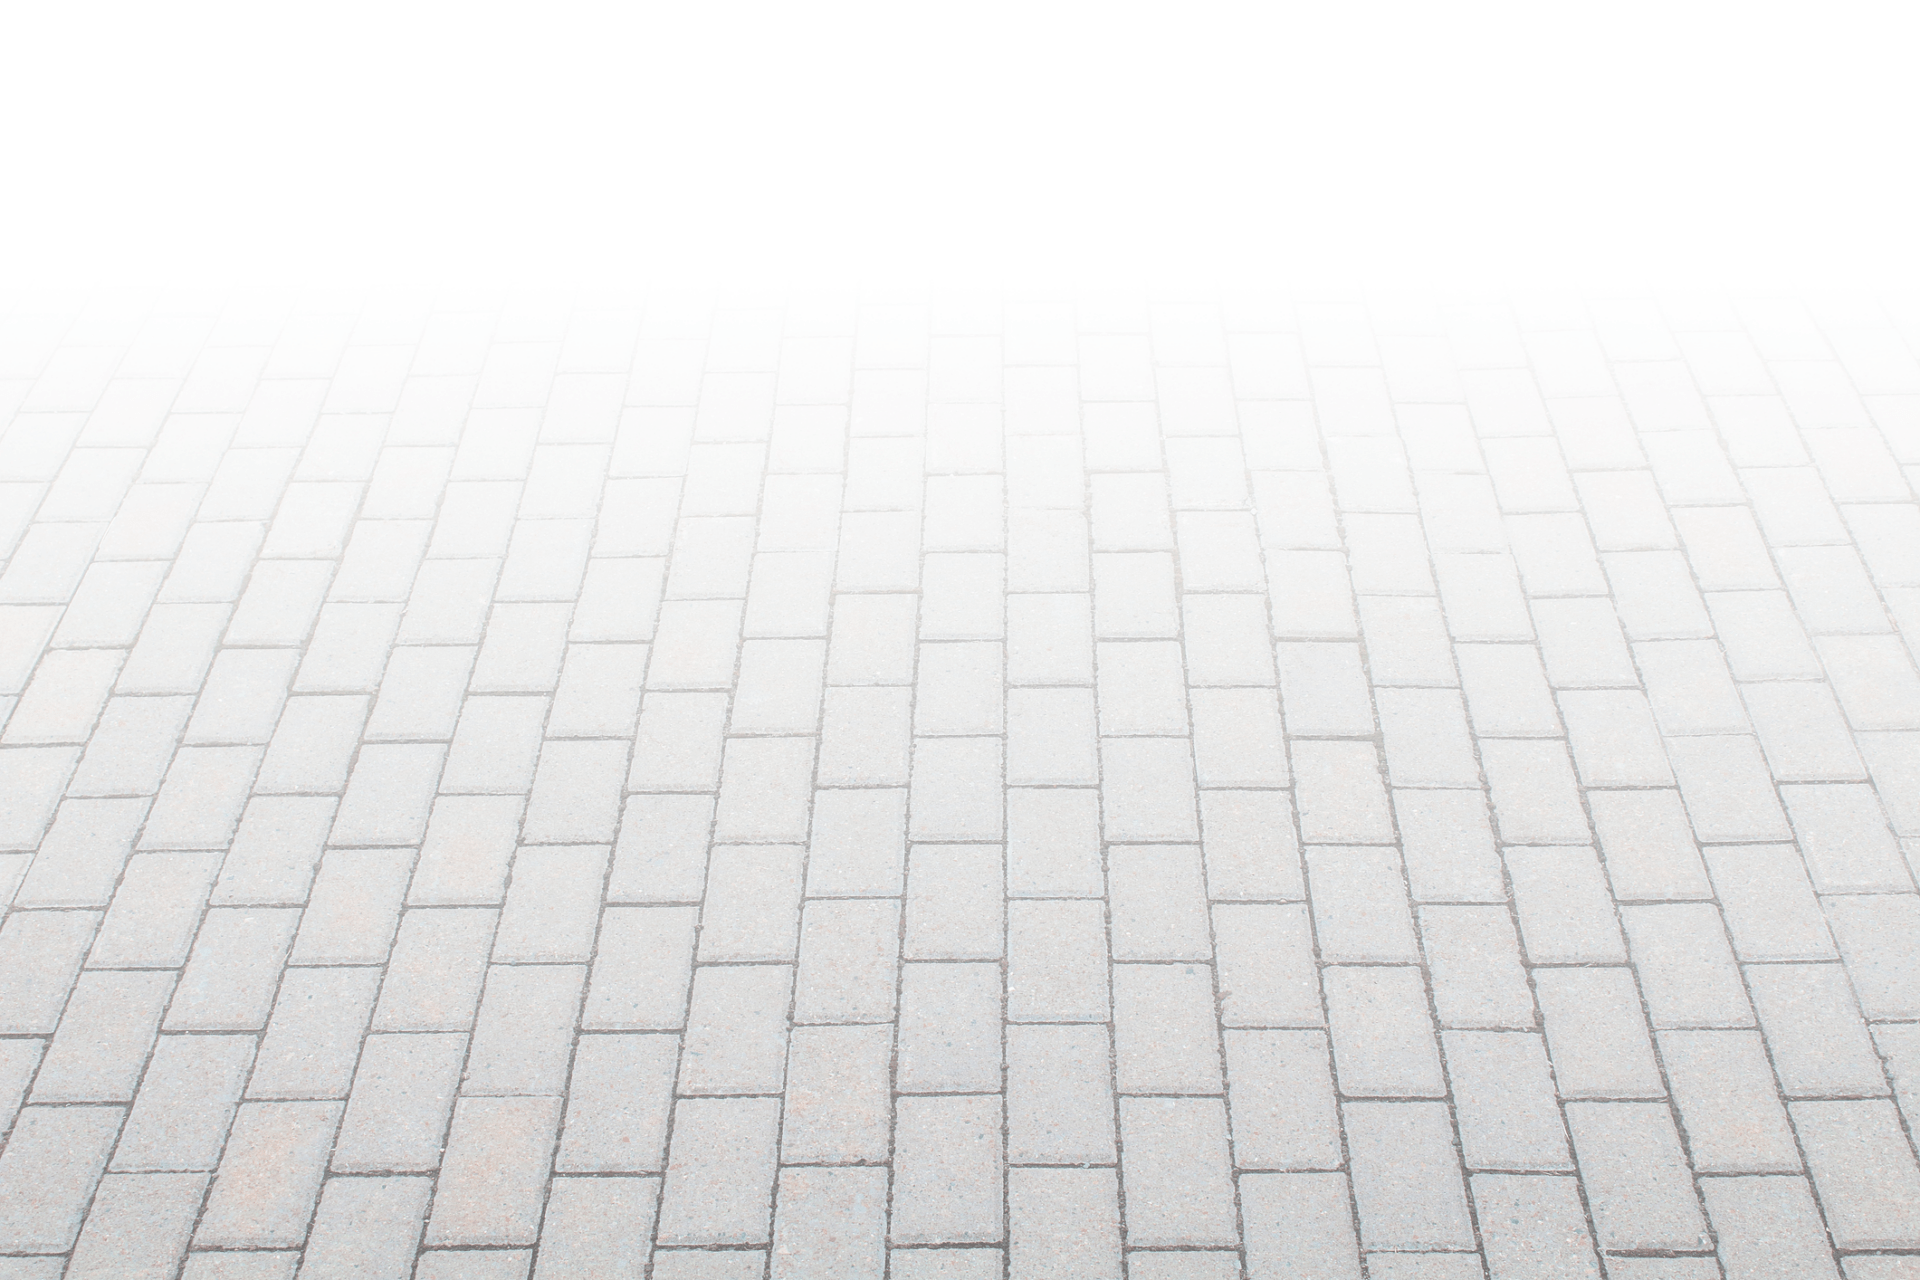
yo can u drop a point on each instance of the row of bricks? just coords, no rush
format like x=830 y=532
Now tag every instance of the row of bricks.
x=1359 y=386
x=1142 y=685
x=1139 y=492
x=713 y=555
x=1146 y=788
x=1057 y=970
x=1053 y=834
x=950 y=1031
x=948 y=1187
x=859 y=837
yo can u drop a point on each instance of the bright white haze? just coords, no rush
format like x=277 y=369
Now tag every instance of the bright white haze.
x=999 y=145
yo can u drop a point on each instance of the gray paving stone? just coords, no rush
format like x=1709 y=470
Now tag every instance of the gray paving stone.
x=847 y=970
x=200 y=801
x=1298 y=1223
x=953 y=902
x=576 y=792
x=953 y=1144
x=1447 y=847
x=1534 y=796
x=690 y=1264
x=830 y=1222
x=269 y=1177
x=473 y=1264
x=1164 y=1035
x=240 y=1266
x=661 y=854
x=1281 y=1098
x=1723 y=1086
x=436 y=971
x=552 y=905
x=1339 y=793
x=230 y=978
x=1768 y=903
x=523 y=1035
x=1897 y=1043
x=1504 y=1102
x=403 y=1091
x=1360 y=910
x=1427 y=742
x=1596 y=1033
x=155 y=911
x=1566 y=914
x=1063 y=1222
x=949 y=1029
x=1727 y=790
x=275 y=852
x=752 y=909
x=1059 y=1095
x=1845 y=840
x=642 y=970
x=957 y=692
x=138 y=1225
x=389 y=795
x=678 y=744
x=1175 y=1169
x=19 y=1059
x=130 y=748
x=865 y=737
x=1636 y=1176
x=1648 y=847
x=48 y=1172
x=1474 y=969
x=355 y=907
x=186 y=1102
x=1688 y=977
x=1507 y=692
x=313 y=1036
x=40 y=954
x=1250 y=849
x=1053 y=843
x=366 y=1226
x=872 y=641
x=1267 y=975
x=1324 y=690
x=82 y=854
x=104 y=1037
x=1158 y=901
x=1767 y=1228
x=494 y=1174
x=1406 y=1178
x=495 y=746
x=1863 y=1171
x=1814 y=1031
x=838 y=1106
x=736 y=1030
x=1383 y=1038
x=720 y=1172
x=619 y=1096
x=775 y=455
x=1533 y=1227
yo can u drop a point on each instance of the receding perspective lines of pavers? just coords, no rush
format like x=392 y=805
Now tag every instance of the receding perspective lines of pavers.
x=518 y=788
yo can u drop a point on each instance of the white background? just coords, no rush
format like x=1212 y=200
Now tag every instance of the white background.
x=1595 y=145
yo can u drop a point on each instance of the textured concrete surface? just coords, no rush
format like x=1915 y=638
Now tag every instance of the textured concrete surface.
x=507 y=788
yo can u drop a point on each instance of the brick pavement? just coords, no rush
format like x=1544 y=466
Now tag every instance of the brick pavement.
x=511 y=788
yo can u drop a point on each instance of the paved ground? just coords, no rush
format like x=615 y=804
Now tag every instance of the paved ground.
x=502 y=787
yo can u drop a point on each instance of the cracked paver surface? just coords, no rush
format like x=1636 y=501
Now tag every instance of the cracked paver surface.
x=519 y=787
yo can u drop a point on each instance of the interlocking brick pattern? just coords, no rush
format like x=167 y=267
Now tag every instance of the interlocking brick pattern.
x=522 y=788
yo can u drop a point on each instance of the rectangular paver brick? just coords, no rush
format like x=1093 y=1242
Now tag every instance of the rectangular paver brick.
x=1176 y=1171
x=948 y=1174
